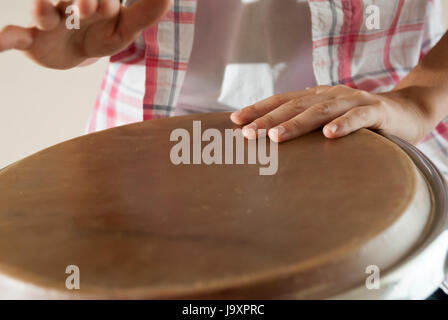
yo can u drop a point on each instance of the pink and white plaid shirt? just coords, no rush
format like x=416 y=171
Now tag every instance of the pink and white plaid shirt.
x=144 y=81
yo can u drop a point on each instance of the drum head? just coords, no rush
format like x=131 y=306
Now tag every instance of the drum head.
x=139 y=226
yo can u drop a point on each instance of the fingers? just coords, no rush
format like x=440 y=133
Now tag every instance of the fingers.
x=355 y=119
x=15 y=37
x=262 y=107
x=45 y=15
x=108 y=8
x=280 y=114
x=293 y=114
x=94 y=8
x=140 y=16
x=87 y=8
x=311 y=119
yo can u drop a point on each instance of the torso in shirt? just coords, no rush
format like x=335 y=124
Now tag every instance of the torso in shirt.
x=245 y=51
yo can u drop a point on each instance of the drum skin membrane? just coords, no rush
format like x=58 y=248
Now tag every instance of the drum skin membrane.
x=138 y=226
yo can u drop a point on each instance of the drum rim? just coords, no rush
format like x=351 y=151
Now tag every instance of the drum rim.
x=437 y=226
x=438 y=187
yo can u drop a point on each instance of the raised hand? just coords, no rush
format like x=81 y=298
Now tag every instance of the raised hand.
x=105 y=29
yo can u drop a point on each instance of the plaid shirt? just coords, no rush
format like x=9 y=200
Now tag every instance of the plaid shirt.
x=144 y=81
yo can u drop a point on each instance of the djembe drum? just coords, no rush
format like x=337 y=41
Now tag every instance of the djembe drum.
x=114 y=205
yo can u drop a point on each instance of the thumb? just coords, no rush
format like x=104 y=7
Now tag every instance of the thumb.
x=15 y=37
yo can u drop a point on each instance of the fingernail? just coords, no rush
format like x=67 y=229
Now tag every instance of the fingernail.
x=332 y=128
x=249 y=131
x=236 y=113
x=276 y=132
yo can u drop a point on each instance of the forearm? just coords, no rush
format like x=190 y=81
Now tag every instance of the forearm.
x=427 y=84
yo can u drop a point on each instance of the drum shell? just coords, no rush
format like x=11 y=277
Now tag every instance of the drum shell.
x=425 y=268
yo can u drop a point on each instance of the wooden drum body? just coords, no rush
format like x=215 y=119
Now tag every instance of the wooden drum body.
x=139 y=226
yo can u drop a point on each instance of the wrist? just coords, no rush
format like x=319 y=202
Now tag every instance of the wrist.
x=424 y=100
x=413 y=113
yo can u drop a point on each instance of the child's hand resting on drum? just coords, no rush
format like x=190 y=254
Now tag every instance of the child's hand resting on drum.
x=105 y=29
x=340 y=109
x=410 y=111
